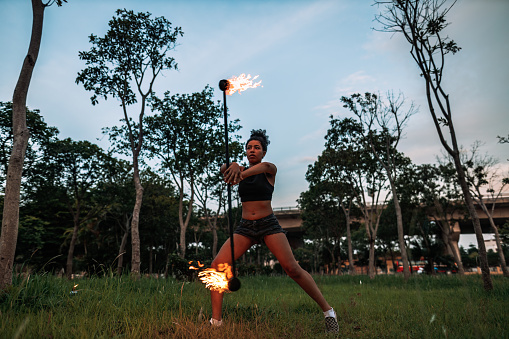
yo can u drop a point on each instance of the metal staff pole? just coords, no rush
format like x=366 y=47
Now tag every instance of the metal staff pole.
x=234 y=283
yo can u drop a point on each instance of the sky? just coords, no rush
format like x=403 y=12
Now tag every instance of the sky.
x=307 y=53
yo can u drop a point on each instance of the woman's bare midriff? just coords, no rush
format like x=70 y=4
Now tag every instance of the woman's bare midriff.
x=254 y=210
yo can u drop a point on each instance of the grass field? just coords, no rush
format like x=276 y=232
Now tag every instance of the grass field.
x=41 y=306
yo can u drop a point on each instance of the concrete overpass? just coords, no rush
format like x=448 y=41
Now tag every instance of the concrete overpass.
x=290 y=219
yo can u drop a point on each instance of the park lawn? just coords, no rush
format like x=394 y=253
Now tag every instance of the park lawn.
x=265 y=307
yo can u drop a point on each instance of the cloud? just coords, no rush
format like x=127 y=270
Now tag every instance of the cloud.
x=314 y=135
x=354 y=83
x=250 y=36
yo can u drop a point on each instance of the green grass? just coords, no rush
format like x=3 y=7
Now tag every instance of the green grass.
x=265 y=307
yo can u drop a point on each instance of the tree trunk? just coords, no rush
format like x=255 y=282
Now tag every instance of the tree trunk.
x=430 y=267
x=485 y=268
x=394 y=266
x=214 y=230
x=121 y=250
x=451 y=250
x=446 y=236
x=135 y=233
x=351 y=268
x=184 y=223
x=10 y=220
x=401 y=233
x=371 y=266
x=183 y=226
x=70 y=254
x=214 y=241
x=150 y=254
x=500 y=250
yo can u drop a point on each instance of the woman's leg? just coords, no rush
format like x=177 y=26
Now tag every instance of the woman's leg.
x=279 y=246
x=241 y=244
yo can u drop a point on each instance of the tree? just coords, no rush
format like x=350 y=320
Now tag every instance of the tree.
x=481 y=171
x=330 y=190
x=116 y=191
x=362 y=172
x=420 y=189
x=132 y=53
x=422 y=23
x=186 y=137
x=21 y=134
x=387 y=120
x=210 y=186
x=40 y=135
x=503 y=140
x=159 y=220
x=76 y=167
x=442 y=196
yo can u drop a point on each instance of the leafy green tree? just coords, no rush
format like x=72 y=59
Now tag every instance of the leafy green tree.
x=362 y=172
x=422 y=23
x=442 y=196
x=321 y=221
x=32 y=229
x=418 y=202
x=330 y=189
x=159 y=221
x=30 y=237
x=383 y=124
x=21 y=134
x=116 y=193
x=45 y=201
x=387 y=235
x=40 y=135
x=186 y=136
x=132 y=53
x=210 y=187
x=76 y=167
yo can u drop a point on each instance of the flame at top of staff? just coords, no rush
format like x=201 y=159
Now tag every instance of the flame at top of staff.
x=241 y=83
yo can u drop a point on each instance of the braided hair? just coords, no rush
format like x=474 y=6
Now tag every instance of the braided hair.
x=261 y=136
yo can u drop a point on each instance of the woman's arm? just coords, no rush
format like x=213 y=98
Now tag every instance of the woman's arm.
x=263 y=167
x=232 y=174
x=223 y=167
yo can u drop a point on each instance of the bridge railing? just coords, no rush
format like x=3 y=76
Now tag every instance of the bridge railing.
x=289 y=209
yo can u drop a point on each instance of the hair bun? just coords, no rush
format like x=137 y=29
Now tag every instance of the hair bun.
x=260 y=135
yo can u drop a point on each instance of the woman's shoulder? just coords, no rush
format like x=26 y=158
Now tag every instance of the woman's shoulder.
x=270 y=168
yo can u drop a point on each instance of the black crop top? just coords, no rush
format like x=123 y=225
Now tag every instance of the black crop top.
x=255 y=188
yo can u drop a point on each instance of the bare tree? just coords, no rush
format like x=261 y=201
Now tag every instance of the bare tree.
x=389 y=119
x=21 y=133
x=482 y=171
x=422 y=23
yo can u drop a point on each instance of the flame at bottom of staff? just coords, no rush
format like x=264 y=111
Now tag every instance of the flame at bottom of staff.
x=215 y=280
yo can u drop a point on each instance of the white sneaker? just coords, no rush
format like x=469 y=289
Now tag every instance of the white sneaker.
x=216 y=323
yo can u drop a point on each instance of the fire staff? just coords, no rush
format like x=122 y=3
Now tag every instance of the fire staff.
x=259 y=225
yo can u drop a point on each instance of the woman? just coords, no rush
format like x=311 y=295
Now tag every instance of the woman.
x=259 y=225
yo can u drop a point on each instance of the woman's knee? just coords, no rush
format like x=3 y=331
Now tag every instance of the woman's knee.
x=293 y=270
x=218 y=262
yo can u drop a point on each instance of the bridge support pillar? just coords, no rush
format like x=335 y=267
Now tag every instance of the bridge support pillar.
x=455 y=238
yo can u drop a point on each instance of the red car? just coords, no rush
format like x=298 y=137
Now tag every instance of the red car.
x=415 y=268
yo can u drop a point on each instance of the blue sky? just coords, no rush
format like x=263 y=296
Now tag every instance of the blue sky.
x=307 y=53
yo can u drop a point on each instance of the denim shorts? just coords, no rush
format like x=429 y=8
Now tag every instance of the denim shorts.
x=256 y=230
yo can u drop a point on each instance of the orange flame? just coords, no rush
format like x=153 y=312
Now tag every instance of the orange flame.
x=195 y=268
x=215 y=280
x=241 y=83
